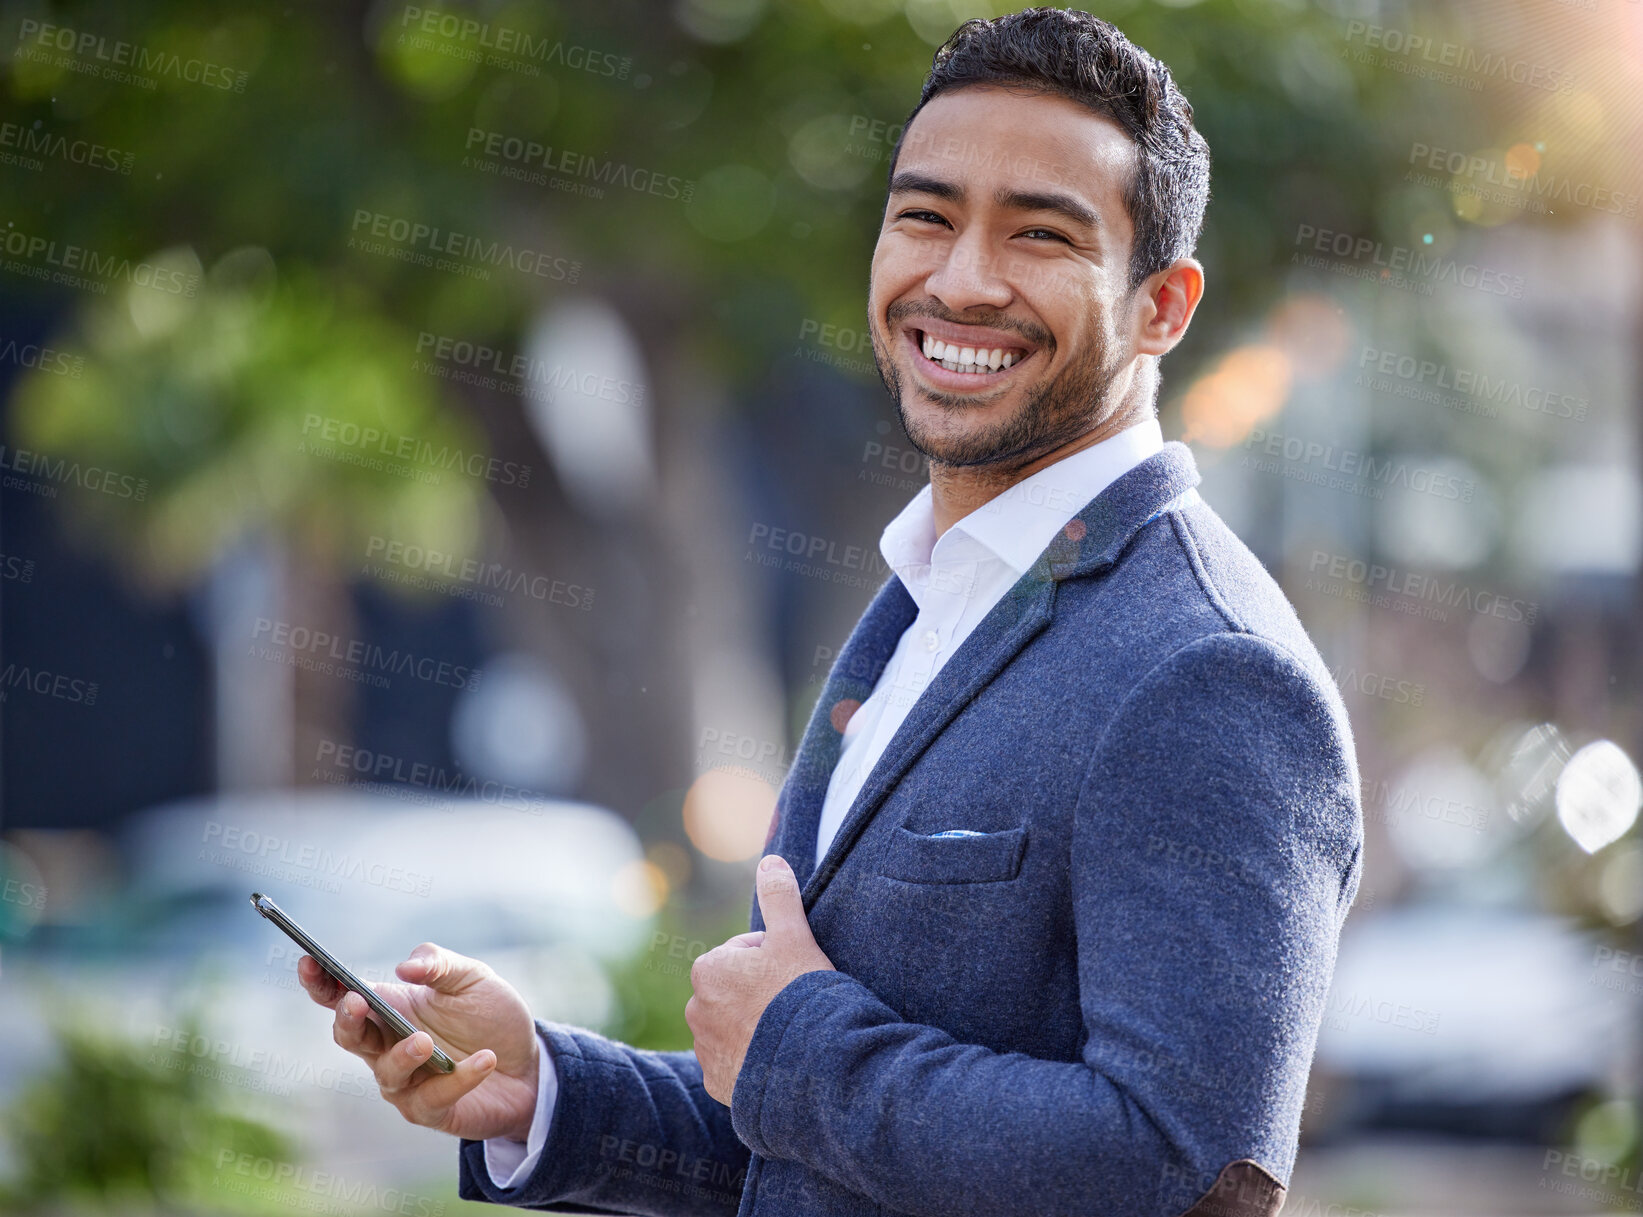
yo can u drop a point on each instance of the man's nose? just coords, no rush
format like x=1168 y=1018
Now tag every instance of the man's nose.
x=971 y=275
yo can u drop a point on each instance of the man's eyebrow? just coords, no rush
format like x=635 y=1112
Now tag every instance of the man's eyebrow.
x=1064 y=205
x=910 y=181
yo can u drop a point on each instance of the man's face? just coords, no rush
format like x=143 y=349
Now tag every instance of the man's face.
x=1005 y=231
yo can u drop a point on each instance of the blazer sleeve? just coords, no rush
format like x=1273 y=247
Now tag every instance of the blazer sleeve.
x=633 y=1132
x=1214 y=856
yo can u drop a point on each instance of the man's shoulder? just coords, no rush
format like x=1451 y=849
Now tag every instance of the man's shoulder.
x=1186 y=568
x=1184 y=580
x=1216 y=655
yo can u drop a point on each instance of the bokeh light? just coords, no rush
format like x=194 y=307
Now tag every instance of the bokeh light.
x=1598 y=794
x=1246 y=387
x=727 y=812
x=640 y=888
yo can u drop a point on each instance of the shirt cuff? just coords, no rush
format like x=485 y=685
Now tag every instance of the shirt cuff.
x=511 y=1162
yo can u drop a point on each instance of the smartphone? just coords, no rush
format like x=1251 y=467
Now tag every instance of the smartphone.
x=394 y=1022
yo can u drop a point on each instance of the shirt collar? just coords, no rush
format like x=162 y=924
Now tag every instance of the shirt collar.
x=1017 y=524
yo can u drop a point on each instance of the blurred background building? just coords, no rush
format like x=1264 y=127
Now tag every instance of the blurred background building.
x=456 y=425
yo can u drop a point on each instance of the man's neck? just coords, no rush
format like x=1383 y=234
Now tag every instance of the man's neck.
x=957 y=490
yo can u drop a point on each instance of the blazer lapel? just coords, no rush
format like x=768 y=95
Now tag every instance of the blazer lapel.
x=1089 y=543
x=852 y=677
x=1012 y=623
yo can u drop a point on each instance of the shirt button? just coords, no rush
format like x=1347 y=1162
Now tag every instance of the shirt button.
x=932 y=641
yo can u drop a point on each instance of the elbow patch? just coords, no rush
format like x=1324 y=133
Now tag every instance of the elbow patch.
x=1242 y=1189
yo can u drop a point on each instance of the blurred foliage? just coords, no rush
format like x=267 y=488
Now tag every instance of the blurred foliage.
x=251 y=408
x=653 y=986
x=767 y=124
x=1607 y=1135
x=115 y=1126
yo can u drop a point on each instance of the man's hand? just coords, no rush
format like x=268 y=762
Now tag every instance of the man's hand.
x=479 y=1017
x=736 y=980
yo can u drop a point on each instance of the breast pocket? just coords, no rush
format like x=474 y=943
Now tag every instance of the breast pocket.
x=987 y=857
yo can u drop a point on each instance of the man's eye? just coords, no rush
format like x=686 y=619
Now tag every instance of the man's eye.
x=1047 y=232
x=927 y=217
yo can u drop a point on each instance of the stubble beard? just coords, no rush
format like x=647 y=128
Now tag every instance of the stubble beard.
x=1054 y=412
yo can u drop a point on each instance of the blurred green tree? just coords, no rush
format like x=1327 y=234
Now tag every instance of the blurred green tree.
x=114 y=1127
x=718 y=174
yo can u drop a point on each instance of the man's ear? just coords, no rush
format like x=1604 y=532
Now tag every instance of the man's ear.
x=1167 y=299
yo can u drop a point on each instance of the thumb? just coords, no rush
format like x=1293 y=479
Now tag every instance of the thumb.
x=441 y=970
x=780 y=903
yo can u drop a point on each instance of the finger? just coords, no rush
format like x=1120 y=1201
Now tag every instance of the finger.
x=750 y=939
x=441 y=970
x=318 y=983
x=704 y=964
x=395 y=1068
x=328 y=991
x=431 y=1099
x=780 y=904
x=354 y=1031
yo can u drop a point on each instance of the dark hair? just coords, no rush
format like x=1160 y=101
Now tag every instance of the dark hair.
x=1079 y=56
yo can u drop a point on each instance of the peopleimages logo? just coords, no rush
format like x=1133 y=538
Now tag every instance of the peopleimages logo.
x=1419 y=50
x=42 y=359
x=956 y=150
x=1616 y=1175
x=534 y=162
x=263 y=853
x=831 y=344
x=1428 y=379
x=79 y=266
x=327 y=1192
x=891 y=460
x=813 y=556
x=1385 y=803
x=418 y=781
x=372 y=661
x=1536 y=186
x=491 y=368
x=1372 y=684
x=257 y=1067
x=94 y=55
x=480 y=576
x=1365 y=471
x=45 y=683
x=39 y=140
x=1344 y=1007
x=40 y=474
x=374 y=442
x=423 y=244
x=1424 y=590
x=1377 y=259
x=22 y=892
x=504 y=46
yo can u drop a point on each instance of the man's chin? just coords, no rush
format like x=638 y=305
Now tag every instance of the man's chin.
x=957 y=447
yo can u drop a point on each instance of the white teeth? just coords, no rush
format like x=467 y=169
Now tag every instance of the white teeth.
x=966 y=359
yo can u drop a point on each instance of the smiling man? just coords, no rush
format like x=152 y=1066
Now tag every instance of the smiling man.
x=1006 y=311
x=1055 y=882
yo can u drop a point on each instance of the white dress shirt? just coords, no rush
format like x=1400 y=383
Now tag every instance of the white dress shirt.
x=510 y=1162
x=955 y=580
